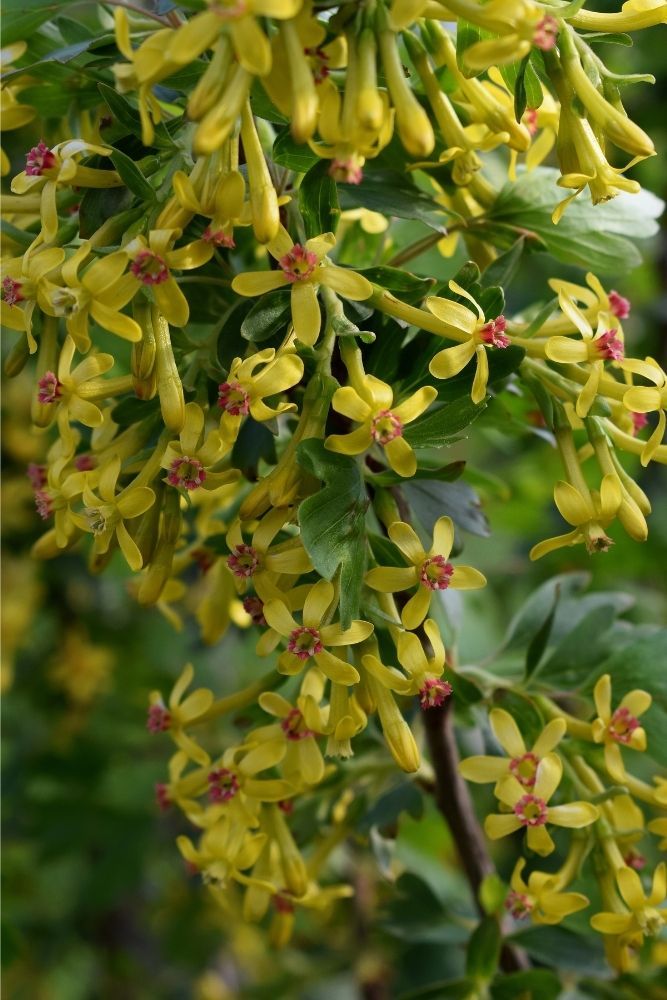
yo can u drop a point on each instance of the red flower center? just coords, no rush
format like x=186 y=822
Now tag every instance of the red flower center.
x=434 y=692
x=162 y=799
x=149 y=268
x=37 y=474
x=305 y=642
x=518 y=904
x=299 y=264
x=546 y=33
x=233 y=398
x=159 y=719
x=186 y=473
x=385 y=426
x=39 y=159
x=223 y=785
x=286 y=806
x=283 y=905
x=619 y=305
x=290 y=726
x=622 y=725
x=524 y=769
x=44 y=504
x=530 y=120
x=346 y=170
x=11 y=291
x=254 y=607
x=49 y=388
x=639 y=421
x=218 y=237
x=633 y=859
x=243 y=561
x=493 y=333
x=610 y=346
x=531 y=811
x=436 y=573
x=318 y=63
x=84 y=463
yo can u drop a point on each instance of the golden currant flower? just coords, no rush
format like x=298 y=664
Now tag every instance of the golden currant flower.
x=190 y=461
x=540 y=898
x=179 y=712
x=251 y=381
x=22 y=278
x=428 y=572
x=14 y=114
x=70 y=387
x=522 y=763
x=261 y=562
x=589 y=515
x=303 y=761
x=648 y=399
x=424 y=673
x=642 y=915
x=152 y=262
x=619 y=727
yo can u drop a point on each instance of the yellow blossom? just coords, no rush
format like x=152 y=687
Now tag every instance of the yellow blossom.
x=522 y=763
x=21 y=281
x=13 y=113
x=642 y=915
x=303 y=759
x=424 y=672
x=648 y=399
x=265 y=564
x=540 y=897
x=250 y=382
x=179 y=713
x=589 y=514
x=71 y=388
x=190 y=461
x=153 y=262
x=619 y=727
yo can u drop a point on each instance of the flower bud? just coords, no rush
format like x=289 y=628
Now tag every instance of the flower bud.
x=412 y=122
x=305 y=105
x=169 y=387
x=263 y=197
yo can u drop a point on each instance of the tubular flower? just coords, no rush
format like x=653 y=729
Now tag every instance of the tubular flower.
x=345 y=139
x=54 y=495
x=424 y=673
x=225 y=205
x=428 y=572
x=189 y=460
x=521 y=25
x=21 y=281
x=481 y=335
x=605 y=345
x=71 y=388
x=179 y=713
x=152 y=262
x=313 y=639
x=532 y=811
x=264 y=564
x=619 y=727
x=382 y=423
x=589 y=515
x=540 y=897
x=225 y=851
x=100 y=293
x=46 y=169
x=304 y=268
x=303 y=761
x=644 y=917
x=522 y=763
x=648 y=399
x=249 y=382
x=104 y=516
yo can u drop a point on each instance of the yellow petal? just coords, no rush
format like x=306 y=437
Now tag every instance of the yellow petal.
x=507 y=732
x=550 y=737
x=452 y=313
x=575 y=508
x=405 y=538
x=347 y=283
x=336 y=670
x=416 y=609
x=317 y=603
x=566 y=350
x=497 y=825
x=547 y=778
x=305 y=312
x=414 y=405
x=539 y=840
x=483 y=769
x=258 y=282
x=401 y=457
x=347 y=401
x=452 y=360
x=390 y=579
x=574 y=814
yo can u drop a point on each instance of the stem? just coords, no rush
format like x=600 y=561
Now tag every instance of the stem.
x=421 y=246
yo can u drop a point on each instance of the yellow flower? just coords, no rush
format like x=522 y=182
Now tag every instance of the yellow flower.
x=313 y=640
x=481 y=334
x=100 y=293
x=540 y=897
x=14 y=114
x=46 y=169
x=428 y=572
x=190 y=459
x=382 y=423
x=588 y=514
x=648 y=399
x=605 y=345
x=522 y=763
x=226 y=849
x=520 y=24
x=244 y=390
x=104 y=516
x=305 y=268
x=643 y=917
x=179 y=713
x=71 y=388
x=55 y=496
x=619 y=727
x=424 y=672
x=21 y=281
x=264 y=564
x=223 y=202
x=303 y=761
x=659 y=828
x=345 y=140
x=530 y=810
x=153 y=262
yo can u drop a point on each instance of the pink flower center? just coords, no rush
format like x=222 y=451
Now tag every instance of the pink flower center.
x=434 y=692
x=622 y=725
x=633 y=859
x=37 y=475
x=254 y=607
x=283 y=905
x=39 y=159
x=162 y=799
x=518 y=904
x=546 y=33
x=318 y=63
x=49 y=388
x=347 y=170
x=223 y=785
x=385 y=426
x=610 y=346
x=11 y=291
x=304 y=642
x=436 y=573
x=493 y=333
x=186 y=473
x=286 y=806
x=149 y=268
x=44 y=504
x=530 y=120
x=218 y=237
x=639 y=421
x=299 y=264
x=244 y=561
x=290 y=726
x=204 y=558
x=524 y=769
x=233 y=398
x=159 y=719
x=619 y=305
x=531 y=811
x=84 y=463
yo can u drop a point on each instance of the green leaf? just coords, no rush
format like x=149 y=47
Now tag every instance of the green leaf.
x=318 y=201
x=444 y=474
x=99 y=204
x=21 y=18
x=502 y=270
x=484 y=950
x=468 y=34
x=533 y=984
x=563 y=949
x=530 y=618
x=268 y=315
x=409 y=287
x=572 y=660
x=393 y=194
x=294 y=156
x=443 y=425
x=589 y=236
x=132 y=176
x=254 y=443
x=492 y=301
x=404 y=797
x=538 y=643
x=430 y=500
x=126 y=116
x=522 y=710
x=492 y=893
x=132 y=410
x=332 y=522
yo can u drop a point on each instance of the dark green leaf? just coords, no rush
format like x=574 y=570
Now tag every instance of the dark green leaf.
x=254 y=443
x=267 y=316
x=444 y=474
x=571 y=662
x=288 y=153
x=443 y=425
x=99 y=204
x=20 y=18
x=564 y=950
x=492 y=301
x=430 y=500
x=318 y=201
x=332 y=522
x=409 y=287
x=502 y=270
x=384 y=813
x=448 y=989
x=530 y=618
x=522 y=710
x=132 y=410
x=393 y=194
x=539 y=641
x=132 y=176
x=468 y=34
x=126 y=116
x=533 y=984
x=484 y=950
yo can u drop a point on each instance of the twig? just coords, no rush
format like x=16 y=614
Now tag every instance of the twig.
x=137 y=9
